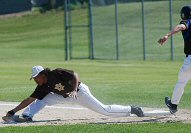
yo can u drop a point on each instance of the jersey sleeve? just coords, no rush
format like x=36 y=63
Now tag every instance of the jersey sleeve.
x=38 y=94
x=65 y=74
x=187 y=23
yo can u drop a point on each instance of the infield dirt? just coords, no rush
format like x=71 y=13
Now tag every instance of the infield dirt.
x=74 y=114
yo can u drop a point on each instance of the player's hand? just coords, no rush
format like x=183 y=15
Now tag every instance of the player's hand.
x=73 y=94
x=162 y=40
x=10 y=113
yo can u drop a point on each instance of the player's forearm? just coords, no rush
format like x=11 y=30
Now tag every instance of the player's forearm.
x=23 y=104
x=177 y=29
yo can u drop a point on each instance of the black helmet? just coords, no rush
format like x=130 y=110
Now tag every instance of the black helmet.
x=185 y=12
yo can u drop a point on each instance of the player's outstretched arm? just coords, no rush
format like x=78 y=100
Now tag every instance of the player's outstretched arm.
x=22 y=105
x=178 y=28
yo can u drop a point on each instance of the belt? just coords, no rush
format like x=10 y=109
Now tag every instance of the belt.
x=187 y=55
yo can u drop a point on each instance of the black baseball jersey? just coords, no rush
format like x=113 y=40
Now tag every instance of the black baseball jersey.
x=59 y=82
x=187 y=36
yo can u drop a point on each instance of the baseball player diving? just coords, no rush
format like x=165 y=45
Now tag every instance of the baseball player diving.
x=59 y=86
x=185 y=71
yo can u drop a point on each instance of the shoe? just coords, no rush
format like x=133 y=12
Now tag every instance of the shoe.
x=172 y=107
x=137 y=111
x=23 y=118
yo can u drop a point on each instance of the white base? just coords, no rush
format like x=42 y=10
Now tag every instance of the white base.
x=156 y=113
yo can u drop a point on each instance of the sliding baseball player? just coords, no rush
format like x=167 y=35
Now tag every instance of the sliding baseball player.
x=61 y=85
x=185 y=71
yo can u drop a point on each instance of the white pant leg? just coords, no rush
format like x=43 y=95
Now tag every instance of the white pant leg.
x=34 y=108
x=50 y=99
x=86 y=99
x=183 y=78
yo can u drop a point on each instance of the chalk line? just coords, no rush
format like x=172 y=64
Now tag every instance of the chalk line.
x=54 y=107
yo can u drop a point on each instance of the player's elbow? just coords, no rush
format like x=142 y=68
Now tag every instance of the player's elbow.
x=181 y=27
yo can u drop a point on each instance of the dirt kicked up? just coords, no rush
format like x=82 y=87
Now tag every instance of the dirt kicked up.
x=73 y=114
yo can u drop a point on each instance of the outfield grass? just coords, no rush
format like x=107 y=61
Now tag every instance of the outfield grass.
x=36 y=34
x=101 y=128
x=38 y=40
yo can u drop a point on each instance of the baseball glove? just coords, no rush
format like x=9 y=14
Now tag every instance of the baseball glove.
x=9 y=119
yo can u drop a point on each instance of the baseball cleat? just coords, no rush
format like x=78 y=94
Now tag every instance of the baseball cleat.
x=137 y=111
x=172 y=107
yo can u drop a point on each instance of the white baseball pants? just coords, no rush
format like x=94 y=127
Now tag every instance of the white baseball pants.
x=85 y=98
x=183 y=78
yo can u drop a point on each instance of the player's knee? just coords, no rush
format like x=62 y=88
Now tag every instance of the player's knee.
x=106 y=109
x=182 y=83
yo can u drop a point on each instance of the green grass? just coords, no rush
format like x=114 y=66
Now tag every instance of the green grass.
x=37 y=34
x=37 y=39
x=122 y=82
x=101 y=128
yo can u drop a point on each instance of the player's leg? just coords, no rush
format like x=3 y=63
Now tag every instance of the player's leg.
x=33 y=108
x=183 y=77
x=38 y=105
x=86 y=99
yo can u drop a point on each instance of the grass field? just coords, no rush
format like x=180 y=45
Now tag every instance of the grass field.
x=38 y=40
x=117 y=128
x=34 y=34
x=111 y=81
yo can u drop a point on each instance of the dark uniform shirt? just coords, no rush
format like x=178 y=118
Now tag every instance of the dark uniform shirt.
x=187 y=36
x=59 y=82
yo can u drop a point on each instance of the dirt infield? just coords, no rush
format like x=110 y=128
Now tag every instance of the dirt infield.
x=72 y=114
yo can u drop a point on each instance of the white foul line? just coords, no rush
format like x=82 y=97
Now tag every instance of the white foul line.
x=54 y=107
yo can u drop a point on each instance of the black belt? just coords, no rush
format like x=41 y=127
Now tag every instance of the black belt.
x=187 y=55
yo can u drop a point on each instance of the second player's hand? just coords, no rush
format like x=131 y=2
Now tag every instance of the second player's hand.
x=73 y=94
x=162 y=40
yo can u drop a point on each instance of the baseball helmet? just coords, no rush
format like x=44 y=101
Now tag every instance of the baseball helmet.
x=185 y=12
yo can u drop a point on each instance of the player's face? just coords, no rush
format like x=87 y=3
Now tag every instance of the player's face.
x=40 y=79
